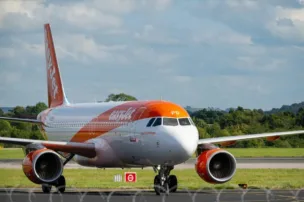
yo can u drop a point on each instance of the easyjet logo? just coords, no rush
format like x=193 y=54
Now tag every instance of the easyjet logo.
x=122 y=115
x=51 y=70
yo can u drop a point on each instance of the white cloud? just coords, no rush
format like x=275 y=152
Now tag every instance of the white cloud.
x=156 y=58
x=258 y=63
x=295 y=32
x=116 y=6
x=217 y=33
x=162 y=4
x=231 y=50
x=29 y=14
x=83 y=48
x=85 y=16
x=152 y=35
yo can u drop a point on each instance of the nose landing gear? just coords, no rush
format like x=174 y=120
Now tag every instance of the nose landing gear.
x=164 y=182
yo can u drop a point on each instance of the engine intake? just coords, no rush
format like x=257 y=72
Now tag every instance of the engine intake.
x=42 y=166
x=216 y=166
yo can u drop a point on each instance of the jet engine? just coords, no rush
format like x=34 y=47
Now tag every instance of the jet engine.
x=42 y=166
x=215 y=166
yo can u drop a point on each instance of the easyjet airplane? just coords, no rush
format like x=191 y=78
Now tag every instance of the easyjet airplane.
x=156 y=134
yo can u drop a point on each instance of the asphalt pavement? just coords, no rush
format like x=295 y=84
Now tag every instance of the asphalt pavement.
x=31 y=195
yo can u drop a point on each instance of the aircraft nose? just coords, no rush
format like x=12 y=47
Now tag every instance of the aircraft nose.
x=187 y=138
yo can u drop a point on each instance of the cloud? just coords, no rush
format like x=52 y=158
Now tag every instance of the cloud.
x=151 y=56
x=150 y=34
x=210 y=53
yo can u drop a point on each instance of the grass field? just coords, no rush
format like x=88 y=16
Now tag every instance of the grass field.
x=246 y=152
x=267 y=152
x=188 y=179
x=11 y=153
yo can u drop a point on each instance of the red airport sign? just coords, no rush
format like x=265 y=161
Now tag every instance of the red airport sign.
x=130 y=177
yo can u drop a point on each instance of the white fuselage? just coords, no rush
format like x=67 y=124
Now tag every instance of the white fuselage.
x=121 y=135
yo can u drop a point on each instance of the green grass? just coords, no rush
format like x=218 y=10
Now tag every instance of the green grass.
x=103 y=179
x=11 y=153
x=17 y=153
x=267 y=152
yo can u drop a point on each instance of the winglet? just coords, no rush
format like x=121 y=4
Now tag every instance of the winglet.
x=56 y=95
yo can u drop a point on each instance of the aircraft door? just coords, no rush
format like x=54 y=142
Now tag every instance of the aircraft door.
x=135 y=138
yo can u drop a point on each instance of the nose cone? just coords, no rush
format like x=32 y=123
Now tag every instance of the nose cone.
x=185 y=140
x=188 y=139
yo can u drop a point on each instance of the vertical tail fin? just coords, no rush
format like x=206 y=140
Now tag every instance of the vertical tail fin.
x=56 y=95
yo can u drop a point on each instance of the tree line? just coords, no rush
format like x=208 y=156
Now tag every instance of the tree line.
x=217 y=123
x=210 y=123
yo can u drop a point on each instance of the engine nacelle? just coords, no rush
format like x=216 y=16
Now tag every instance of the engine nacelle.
x=42 y=166
x=215 y=166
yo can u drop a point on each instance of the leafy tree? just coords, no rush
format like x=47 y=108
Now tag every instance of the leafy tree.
x=202 y=133
x=1 y=112
x=120 y=97
x=5 y=125
x=36 y=135
x=18 y=112
x=199 y=122
x=24 y=126
x=33 y=111
x=210 y=116
x=300 y=117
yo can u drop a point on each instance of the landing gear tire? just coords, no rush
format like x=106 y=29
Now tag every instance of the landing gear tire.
x=157 y=186
x=172 y=182
x=163 y=183
x=46 y=188
x=60 y=185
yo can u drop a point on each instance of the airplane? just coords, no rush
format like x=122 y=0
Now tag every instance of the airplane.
x=157 y=133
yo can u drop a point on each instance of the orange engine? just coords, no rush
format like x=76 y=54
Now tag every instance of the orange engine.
x=42 y=166
x=215 y=166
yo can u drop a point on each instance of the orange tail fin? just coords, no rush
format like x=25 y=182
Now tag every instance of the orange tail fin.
x=56 y=95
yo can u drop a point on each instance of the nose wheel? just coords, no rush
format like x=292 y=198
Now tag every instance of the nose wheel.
x=164 y=182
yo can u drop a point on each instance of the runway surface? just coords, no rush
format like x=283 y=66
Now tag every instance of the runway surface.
x=256 y=195
x=249 y=163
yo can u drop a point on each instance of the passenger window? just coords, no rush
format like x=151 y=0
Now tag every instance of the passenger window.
x=157 y=122
x=150 y=122
x=184 y=121
x=170 y=122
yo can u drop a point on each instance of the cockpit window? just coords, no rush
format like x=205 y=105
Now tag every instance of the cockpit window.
x=191 y=121
x=157 y=122
x=150 y=122
x=184 y=121
x=170 y=122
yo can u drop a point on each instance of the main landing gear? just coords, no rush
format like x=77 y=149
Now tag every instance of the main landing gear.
x=164 y=182
x=60 y=182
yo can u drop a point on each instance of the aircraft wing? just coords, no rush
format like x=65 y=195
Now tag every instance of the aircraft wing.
x=83 y=149
x=232 y=139
x=21 y=120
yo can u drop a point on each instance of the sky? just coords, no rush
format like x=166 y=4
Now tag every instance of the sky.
x=201 y=53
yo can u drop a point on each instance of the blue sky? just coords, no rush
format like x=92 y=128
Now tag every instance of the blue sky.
x=202 y=53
